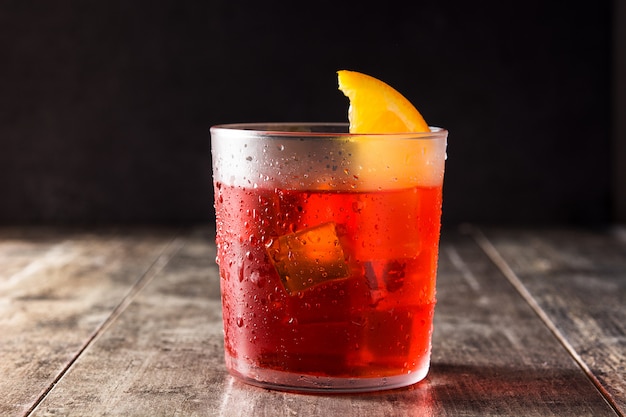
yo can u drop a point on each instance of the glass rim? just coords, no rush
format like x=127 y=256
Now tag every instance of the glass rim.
x=315 y=129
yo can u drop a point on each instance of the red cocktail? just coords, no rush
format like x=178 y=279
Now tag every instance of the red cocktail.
x=327 y=249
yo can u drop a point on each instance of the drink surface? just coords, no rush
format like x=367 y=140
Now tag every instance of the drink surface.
x=326 y=282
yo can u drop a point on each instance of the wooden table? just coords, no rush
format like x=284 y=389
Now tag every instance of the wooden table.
x=126 y=322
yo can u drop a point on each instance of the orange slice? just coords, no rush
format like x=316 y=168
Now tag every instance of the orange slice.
x=413 y=158
x=376 y=107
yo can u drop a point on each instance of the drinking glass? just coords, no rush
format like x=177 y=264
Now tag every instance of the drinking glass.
x=327 y=245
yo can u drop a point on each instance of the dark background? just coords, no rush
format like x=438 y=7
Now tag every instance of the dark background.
x=105 y=106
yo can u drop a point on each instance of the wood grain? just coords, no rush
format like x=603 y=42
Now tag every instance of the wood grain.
x=163 y=355
x=56 y=290
x=492 y=355
x=578 y=279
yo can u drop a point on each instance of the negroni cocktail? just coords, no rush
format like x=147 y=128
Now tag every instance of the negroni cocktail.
x=327 y=251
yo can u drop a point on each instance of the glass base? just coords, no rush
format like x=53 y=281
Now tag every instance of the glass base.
x=294 y=382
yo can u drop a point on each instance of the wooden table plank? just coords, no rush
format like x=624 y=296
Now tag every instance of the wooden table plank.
x=577 y=278
x=500 y=361
x=163 y=355
x=57 y=288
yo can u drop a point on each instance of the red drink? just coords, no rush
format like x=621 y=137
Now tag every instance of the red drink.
x=327 y=250
x=376 y=321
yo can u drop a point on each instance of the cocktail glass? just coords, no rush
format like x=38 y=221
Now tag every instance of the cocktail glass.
x=327 y=251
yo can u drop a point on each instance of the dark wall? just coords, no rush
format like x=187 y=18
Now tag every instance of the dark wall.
x=105 y=105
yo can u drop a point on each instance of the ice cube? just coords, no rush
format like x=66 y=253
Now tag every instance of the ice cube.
x=385 y=275
x=308 y=257
x=394 y=275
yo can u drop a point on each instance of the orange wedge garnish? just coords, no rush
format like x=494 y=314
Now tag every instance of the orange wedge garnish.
x=376 y=107
x=413 y=158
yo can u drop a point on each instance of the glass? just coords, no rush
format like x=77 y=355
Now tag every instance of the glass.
x=327 y=246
